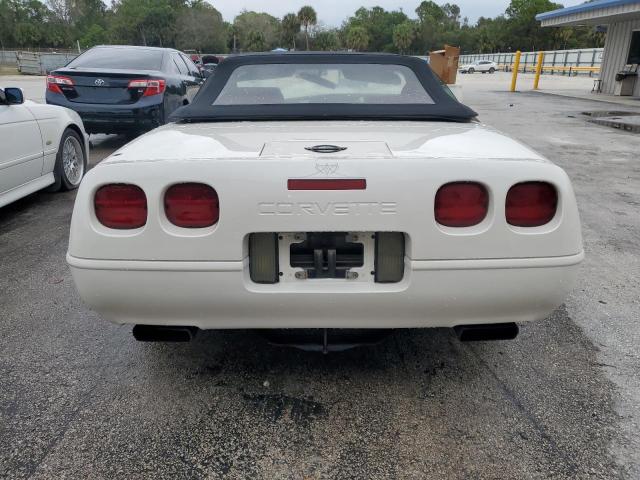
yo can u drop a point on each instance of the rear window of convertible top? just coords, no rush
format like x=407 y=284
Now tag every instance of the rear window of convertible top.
x=282 y=84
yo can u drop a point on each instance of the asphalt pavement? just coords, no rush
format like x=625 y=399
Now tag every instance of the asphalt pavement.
x=79 y=398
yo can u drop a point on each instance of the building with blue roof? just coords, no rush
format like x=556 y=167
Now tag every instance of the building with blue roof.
x=622 y=44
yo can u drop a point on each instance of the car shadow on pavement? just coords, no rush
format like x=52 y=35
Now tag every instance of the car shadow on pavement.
x=28 y=208
x=419 y=403
x=85 y=399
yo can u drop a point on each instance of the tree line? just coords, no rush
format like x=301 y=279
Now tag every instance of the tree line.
x=197 y=25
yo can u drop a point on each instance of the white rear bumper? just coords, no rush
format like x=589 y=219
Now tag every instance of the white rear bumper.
x=219 y=295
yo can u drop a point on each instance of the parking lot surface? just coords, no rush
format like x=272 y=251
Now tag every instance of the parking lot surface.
x=79 y=398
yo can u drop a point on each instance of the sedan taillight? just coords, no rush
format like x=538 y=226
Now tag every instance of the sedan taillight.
x=121 y=206
x=192 y=205
x=461 y=204
x=531 y=204
x=148 y=87
x=55 y=81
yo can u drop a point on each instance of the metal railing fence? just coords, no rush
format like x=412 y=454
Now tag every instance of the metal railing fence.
x=585 y=61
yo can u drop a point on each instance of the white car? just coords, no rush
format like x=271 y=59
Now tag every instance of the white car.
x=324 y=191
x=483 y=66
x=41 y=146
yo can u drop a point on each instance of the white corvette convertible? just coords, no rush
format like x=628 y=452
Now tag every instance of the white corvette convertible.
x=324 y=191
x=40 y=146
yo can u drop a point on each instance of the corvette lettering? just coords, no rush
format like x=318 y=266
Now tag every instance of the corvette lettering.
x=327 y=208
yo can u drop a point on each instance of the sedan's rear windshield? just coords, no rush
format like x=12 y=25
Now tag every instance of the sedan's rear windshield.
x=322 y=83
x=120 y=59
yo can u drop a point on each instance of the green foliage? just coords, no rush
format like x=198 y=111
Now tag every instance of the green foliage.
x=248 y=24
x=379 y=25
x=430 y=12
x=201 y=28
x=196 y=24
x=290 y=28
x=437 y=24
x=524 y=29
x=29 y=23
x=326 y=40
x=94 y=35
x=357 y=38
x=145 y=22
x=403 y=35
x=256 y=41
x=492 y=35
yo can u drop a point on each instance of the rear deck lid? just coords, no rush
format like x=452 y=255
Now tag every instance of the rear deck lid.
x=363 y=140
x=105 y=86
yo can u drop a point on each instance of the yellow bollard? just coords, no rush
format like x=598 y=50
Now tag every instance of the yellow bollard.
x=514 y=76
x=538 y=70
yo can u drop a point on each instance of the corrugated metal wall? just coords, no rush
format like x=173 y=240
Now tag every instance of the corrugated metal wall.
x=9 y=57
x=594 y=15
x=31 y=63
x=616 y=51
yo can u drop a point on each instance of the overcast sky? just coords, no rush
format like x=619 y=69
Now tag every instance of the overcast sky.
x=333 y=12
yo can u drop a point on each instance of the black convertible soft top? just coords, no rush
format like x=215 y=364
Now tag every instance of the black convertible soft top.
x=444 y=106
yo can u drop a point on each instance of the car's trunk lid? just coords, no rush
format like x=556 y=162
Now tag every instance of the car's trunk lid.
x=296 y=140
x=104 y=86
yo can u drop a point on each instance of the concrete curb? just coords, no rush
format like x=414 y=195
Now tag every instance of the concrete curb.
x=629 y=123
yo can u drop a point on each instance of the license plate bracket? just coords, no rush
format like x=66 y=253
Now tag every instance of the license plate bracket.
x=327 y=255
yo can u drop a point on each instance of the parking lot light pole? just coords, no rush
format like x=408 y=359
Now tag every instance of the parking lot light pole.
x=514 y=75
x=538 y=70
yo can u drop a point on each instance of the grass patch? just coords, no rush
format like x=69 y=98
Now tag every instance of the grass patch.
x=8 y=70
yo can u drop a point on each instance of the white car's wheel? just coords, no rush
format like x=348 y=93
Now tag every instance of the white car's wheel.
x=71 y=162
x=492 y=70
x=471 y=70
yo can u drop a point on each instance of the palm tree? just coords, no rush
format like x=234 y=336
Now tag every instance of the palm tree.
x=307 y=16
x=357 y=38
x=403 y=35
x=234 y=32
x=291 y=27
x=255 y=42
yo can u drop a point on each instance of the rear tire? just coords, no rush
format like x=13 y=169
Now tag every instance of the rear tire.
x=71 y=162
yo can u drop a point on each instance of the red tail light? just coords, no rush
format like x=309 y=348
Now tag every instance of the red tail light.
x=121 y=206
x=192 y=205
x=149 y=87
x=461 y=204
x=531 y=204
x=55 y=81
